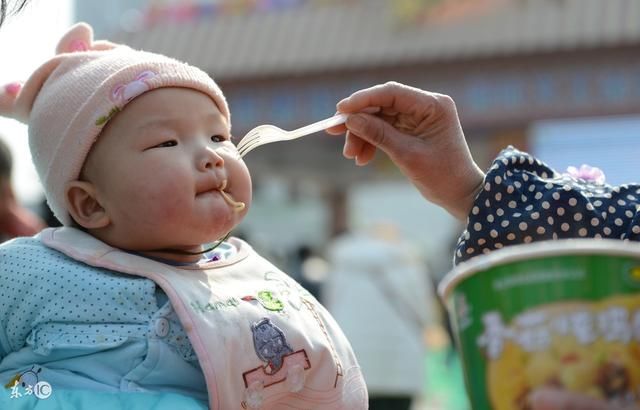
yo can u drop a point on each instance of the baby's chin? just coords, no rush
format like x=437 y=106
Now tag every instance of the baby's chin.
x=219 y=228
x=215 y=236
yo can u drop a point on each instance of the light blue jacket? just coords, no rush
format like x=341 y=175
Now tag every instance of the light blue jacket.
x=81 y=329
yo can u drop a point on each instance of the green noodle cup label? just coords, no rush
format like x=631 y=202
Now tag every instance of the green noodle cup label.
x=564 y=314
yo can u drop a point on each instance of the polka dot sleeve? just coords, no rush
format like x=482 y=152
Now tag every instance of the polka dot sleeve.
x=523 y=200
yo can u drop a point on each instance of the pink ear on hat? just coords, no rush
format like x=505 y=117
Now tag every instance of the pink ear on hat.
x=8 y=95
x=79 y=38
x=9 y=106
x=16 y=101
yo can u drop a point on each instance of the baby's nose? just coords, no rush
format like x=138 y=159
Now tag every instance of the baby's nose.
x=211 y=159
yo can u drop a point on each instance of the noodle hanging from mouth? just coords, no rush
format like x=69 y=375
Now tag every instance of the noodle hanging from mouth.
x=237 y=205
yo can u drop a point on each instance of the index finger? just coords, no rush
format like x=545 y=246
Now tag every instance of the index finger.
x=341 y=128
x=400 y=97
x=336 y=130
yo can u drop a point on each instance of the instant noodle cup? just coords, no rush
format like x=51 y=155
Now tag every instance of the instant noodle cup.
x=558 y=313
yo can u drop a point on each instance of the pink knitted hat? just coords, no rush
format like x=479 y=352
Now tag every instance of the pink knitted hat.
x=68 y=100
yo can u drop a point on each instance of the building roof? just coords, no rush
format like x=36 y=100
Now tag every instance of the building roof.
x=359 y=33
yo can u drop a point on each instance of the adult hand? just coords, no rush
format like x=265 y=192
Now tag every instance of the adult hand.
x=421 y=133
x=556 y=399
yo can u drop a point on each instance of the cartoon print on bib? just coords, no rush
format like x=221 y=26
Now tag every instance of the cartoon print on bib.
x=282 y=363
x=296 y=297
x=291 y=293
x=270 y=344
x=267 y=299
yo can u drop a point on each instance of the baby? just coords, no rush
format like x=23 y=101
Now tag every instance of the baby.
x=130 y=298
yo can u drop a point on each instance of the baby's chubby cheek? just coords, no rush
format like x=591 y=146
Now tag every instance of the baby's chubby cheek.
x=159 y=202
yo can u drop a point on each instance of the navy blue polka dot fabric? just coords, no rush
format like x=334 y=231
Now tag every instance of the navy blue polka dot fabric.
x=524 y=200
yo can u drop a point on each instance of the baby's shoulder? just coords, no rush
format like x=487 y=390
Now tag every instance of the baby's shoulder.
x=28 y=257
x=27 y=251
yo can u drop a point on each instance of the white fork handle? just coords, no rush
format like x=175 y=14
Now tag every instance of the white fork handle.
x=320 y=125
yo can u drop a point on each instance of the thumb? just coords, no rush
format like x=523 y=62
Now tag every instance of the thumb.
x=376 y=132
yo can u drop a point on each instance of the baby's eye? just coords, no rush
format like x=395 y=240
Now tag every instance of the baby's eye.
x=218 y=138
x=170 y=143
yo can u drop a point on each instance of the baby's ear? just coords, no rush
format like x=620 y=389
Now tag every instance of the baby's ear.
x=83 y=205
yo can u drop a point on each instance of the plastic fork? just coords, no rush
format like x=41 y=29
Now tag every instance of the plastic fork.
x=266 y=134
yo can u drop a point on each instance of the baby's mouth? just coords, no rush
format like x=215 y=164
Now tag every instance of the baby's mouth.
x=236 y=205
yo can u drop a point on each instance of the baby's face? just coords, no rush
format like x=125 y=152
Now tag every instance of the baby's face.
x=159 y=168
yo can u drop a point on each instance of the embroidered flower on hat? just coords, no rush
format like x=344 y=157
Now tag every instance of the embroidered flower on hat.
x=123 y=93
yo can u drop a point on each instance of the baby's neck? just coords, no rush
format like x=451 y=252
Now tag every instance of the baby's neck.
x=191 y=256
x=174 y=255
x=171 y=257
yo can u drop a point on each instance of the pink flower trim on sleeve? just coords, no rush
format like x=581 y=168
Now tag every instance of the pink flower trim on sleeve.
x=587 y=173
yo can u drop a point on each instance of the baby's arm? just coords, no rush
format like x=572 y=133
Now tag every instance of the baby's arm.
x=523 y=200
x=421 y=133
x=5 y=295
x=24 y=279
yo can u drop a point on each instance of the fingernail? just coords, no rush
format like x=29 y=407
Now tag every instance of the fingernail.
x=356 y=122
